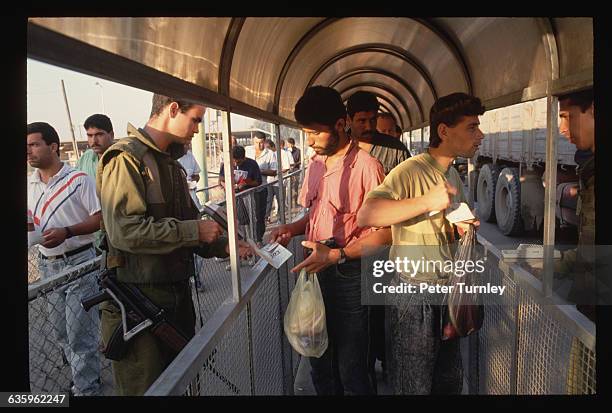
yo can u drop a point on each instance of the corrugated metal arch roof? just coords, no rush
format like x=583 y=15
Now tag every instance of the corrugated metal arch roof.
x=260 y=66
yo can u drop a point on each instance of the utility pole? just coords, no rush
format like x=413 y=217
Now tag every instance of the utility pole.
x=102 y=95
x=74 y=142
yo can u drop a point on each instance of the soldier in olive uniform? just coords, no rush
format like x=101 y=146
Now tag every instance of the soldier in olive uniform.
x=153 y=230
x=577 y=115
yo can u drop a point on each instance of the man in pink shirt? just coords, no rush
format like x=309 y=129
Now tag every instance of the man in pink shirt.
x=336 y=184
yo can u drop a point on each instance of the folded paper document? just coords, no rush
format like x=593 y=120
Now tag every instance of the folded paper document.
x=275 y=254
x=456 y=212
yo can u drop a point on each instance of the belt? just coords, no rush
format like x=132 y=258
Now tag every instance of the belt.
x=69 y=253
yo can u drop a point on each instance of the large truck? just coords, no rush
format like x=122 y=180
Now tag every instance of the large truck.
x=507 y=180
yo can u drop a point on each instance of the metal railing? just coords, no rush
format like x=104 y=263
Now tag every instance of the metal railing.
x=292 y=183
x=240 y=347
x=524 y=347
x=49 y=323
x=224 y=374
x=529 y=344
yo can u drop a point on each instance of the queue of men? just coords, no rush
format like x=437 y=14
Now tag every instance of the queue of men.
x=139 y=190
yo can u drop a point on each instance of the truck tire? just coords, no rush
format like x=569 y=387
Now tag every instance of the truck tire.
x=485 y=192
x=508 y=202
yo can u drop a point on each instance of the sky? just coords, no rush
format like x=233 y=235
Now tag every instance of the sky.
x=121 y=103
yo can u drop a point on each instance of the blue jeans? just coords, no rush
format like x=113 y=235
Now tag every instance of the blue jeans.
x=273 y=192
x=77 y=331
x=343 y=368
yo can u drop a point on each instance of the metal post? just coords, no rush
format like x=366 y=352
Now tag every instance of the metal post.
x=302 y=163
x=422 y=140
x=550 y=179
x=303 y=149
x=290 y=196
x=279 y=168
x=249 y=315
x=198 y=145
x=74 y=142
x=203 y=183
x=230 y=197
x=102 y=95
x=514 y=366
x=470 y=180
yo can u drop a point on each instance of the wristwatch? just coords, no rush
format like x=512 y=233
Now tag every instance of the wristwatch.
x=342 y=259
x=69 y=233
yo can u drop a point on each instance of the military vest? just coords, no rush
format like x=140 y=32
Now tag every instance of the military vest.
x=166 y=195
x=586 y=203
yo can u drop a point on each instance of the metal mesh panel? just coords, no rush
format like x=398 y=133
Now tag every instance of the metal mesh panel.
x=53 y=317
x=225 y=371
x=215 y=287
x=33 y=273
x=523 y=348
x=497 y=335
x=581 y=372
x=543 y=349
x=267 y=334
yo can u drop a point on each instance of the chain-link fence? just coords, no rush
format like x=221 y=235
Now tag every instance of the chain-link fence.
x=523 y=347
x=53 y=308
x=64 y=340
x=526 y=347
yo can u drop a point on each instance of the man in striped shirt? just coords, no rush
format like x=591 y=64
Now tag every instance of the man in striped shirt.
x=65 y=210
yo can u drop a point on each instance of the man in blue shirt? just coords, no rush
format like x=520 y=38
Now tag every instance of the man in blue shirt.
x=246 y=175
x=251 y=179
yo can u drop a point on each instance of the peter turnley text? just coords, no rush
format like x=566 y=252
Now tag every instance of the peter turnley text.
x=421 y=288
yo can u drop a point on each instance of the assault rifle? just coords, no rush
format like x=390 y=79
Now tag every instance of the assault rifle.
x=138 y=314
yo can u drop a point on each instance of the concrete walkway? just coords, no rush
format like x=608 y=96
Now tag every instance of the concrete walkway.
x=303 y=383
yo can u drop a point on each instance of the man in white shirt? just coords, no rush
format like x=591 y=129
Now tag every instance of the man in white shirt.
x=265 y=159
x=287 y=163
x=65 y=211
x=193 y=170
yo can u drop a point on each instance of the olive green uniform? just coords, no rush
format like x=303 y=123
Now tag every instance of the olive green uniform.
x=152 y=229
x=579 y=262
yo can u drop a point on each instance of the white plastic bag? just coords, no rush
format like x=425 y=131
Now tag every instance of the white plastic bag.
x=304 y=320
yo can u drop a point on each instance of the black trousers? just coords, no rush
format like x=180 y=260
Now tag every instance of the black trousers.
x=260 y=213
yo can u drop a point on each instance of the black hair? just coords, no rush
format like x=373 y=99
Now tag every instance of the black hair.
x=238 y=152
x=47 y=131
x=361 y=101
x=259 y=135
x=161 y=101
x=99 y=121
x=291 y=141
x=583 y=99
x=449 y=110
x=271 y=144
x=319 y=104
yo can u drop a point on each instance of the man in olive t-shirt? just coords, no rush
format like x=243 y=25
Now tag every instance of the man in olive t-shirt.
x=421 y=362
